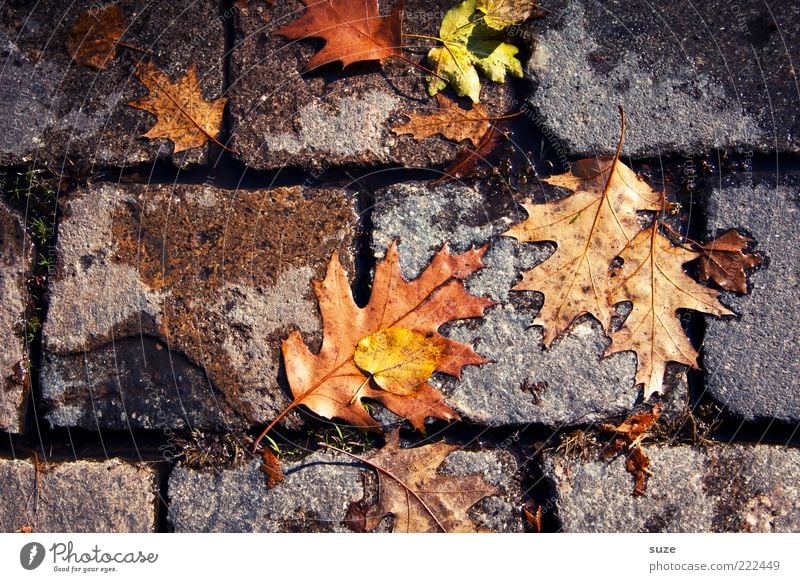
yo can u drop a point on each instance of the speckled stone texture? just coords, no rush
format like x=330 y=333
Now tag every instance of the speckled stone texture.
x=16 y=257
x=753 y=362
x=57 y=110
x=570 y=383
x=316 y=494
x=692 y=76
x=79 y=496
x=220 y=276
x=284 y=116
x=726 y=488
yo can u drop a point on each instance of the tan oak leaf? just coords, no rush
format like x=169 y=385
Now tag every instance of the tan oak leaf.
x=653 y=279
x=590 y=228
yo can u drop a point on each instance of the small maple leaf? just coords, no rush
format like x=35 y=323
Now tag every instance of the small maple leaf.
x=419 y=498
x=724 y=262
x=590 y=228
x=653 y=279
x=451 y=121
x=184 y=116
x=469 y=45
x=92 y=40
x=351 y=364
x=353 y=31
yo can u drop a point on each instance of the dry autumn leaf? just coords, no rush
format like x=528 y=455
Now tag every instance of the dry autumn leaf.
x=628 y=439
x=271 y=467
x=450 y=121
x=331 y=383
x=353 y=31
x=500 y=14
x=92 y=40
x=412 y=490
x=590 y=228
x=723 y=261
x=183 y=115
x=653 y=279
x=468 y=160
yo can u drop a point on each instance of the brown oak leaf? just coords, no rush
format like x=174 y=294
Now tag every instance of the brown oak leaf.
x=450 y=121
x=92 y=41
x=271 y=467
x=416 y=494
x=723 y=261
x=469 y=159
x=353 y=31
x=183 y=115
x=653 y=279
x=331 y=384
x=590 y=228
x=628 y=439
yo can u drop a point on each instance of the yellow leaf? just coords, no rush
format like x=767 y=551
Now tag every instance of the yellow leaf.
x=399 y=360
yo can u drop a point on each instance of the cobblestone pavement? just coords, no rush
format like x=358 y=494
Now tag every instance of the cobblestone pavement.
x=145 y=295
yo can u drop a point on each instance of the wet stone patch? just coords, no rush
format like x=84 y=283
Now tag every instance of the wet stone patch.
x=61 y=114
x=284 y=116
x=219 y=276
x=753 y=361
x=691 y=76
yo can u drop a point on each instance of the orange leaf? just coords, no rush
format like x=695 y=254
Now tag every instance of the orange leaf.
x=632 y=431
x=468 y=159
x=353 y=31
x=184 y=116
x=450 y=121
x=332 y=385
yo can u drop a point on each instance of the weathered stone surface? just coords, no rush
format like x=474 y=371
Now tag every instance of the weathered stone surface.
x=753 y=362
x=54 y=107
x=220 y=276
x=80 y=496
x=329 y=116
x=691 y=76
x=316 y=494
x=16 y=256
x=566 y=384
x=727 y=488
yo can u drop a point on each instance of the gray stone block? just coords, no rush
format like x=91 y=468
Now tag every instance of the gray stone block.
x=753 y=362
